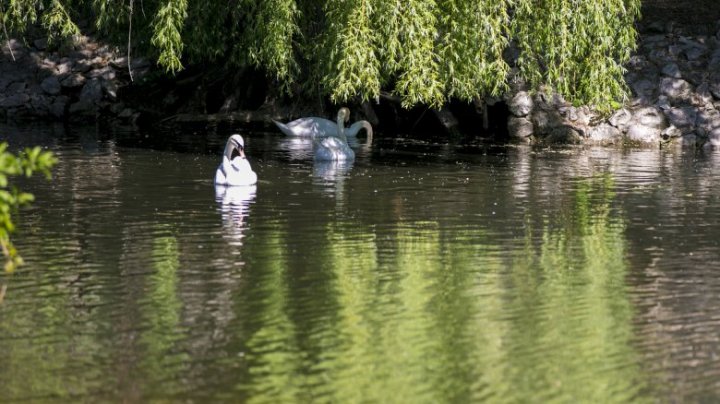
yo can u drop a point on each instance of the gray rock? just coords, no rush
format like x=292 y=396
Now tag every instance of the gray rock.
x=63 y=68
x=119 y=63
x=681 y=117
x=714 y=62
x=98 y=62
x=106 y=73
x=82 y=66
x=82 y=108
x=691 y=140
x=643 y=88
x=127 y=113
x=637 y=62
x=676 y=89
x=41 y=43
x=621 y=119
x=708 y=119
x=702 y=95
x=49 y=64
x=51 y=85
x=660 y=56
x=663 y=103
x=695 y=53
x=714 y=137
x=563 y=135
x=59 y=106
x=714 y=86
x=649 y=116
x=40 y=104
x=18 y=87
x=520 y=128
x=82 y=54
x=676 y=51
x=692 y=50
x=13 y=44
x=139 y=63
x=91 y=92
x=73 y=81
x=15 y=100
x=672 y=70
x=670 y=132
x=521 y=104
x=604 y=133
x=643 y=134
x=111 y=88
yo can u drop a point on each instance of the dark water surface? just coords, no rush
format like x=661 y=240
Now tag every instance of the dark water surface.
x=421 y=273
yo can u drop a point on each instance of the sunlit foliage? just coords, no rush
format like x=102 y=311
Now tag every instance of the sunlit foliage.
x=576 y=47
x=24 y=164
x=423 y=51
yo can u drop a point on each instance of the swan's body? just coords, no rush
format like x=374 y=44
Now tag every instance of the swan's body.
x=332 y=148
x=235 y=170
x=313 y=126
x=308 y=127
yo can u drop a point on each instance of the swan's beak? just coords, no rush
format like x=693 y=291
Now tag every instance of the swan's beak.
x=237 y=150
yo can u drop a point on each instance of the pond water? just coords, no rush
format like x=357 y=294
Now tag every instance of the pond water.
x=424 y=272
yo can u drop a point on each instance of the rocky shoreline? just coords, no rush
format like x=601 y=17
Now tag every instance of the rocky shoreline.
x=675 y=83
x=674 y=78
x=65 y=84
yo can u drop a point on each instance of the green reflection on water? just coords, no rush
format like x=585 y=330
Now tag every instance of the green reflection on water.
x=273 y=357
x=47 y=342
x=444 y=314
x=162 y=361
x=571 y=332
x=416 y=311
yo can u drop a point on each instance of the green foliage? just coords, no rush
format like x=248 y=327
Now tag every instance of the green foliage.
x=167 y=27
x=269 y=36
x=577 y=47
x=348 y=48
x=16 y=15
x=475 y=33
x=57 y=20
x=419 y=75
x=424 y=51
x=25 y=164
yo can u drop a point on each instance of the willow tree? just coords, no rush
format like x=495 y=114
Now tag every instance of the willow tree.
x=422 y=51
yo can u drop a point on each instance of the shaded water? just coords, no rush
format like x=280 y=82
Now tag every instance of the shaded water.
x=420 y=273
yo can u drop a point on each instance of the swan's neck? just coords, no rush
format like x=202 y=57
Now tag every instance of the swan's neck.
x=341 y=127
x=369 y=130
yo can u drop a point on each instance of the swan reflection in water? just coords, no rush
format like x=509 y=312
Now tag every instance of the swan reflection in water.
x=331 y=170
x=234 y=204
x=297 y=148
x=330 y=176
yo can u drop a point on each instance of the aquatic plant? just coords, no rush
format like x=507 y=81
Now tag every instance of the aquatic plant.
x=25 y=163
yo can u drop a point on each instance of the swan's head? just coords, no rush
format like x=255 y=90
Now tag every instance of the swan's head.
x=235 y=147
x=343 y=114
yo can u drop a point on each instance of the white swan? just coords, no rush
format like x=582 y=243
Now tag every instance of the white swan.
x=235 y=169
x=332 y=148
x=319 y=127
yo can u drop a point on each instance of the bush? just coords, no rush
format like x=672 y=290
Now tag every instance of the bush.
x=25 y=164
